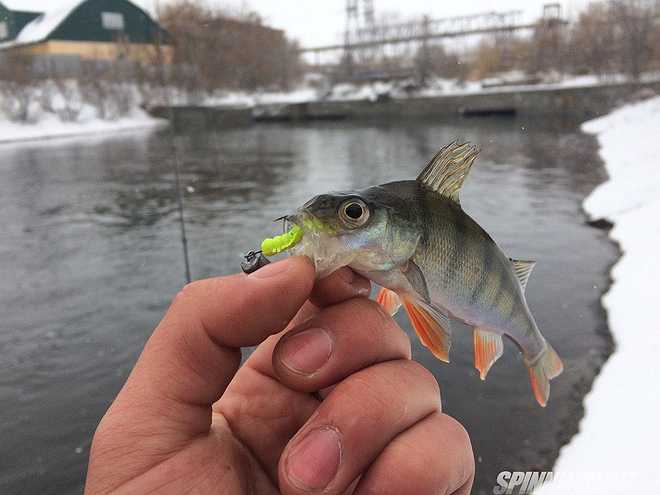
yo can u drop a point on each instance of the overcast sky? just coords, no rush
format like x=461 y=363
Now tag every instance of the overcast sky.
x=318 y=22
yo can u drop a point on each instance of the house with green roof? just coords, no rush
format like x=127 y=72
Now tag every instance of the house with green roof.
x=87 y=29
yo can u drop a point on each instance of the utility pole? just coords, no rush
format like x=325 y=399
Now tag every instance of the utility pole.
x=369 y=29
x=424 y=56
x=352 y=25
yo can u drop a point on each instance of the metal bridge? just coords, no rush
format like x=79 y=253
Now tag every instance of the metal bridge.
x=373 y=35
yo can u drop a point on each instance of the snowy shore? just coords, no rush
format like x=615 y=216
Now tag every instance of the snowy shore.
x=49 y=126
x=347 y=92
x=615 y=449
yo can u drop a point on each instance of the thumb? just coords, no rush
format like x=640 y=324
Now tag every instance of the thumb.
x=195 y=351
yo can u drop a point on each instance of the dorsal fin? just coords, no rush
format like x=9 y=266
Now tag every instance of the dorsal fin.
x=447 y=171
x=523 y=269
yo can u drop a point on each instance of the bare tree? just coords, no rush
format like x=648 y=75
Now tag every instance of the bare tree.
x=106 y=85
x=503 y=53
x=654 y=63
x=442 y=63
x=594 y=42
x=60 y=92
x=147 y=82
x=634 y=21
x=70 y=100
x=19 y=85
x=548 y=46
x=219 y=50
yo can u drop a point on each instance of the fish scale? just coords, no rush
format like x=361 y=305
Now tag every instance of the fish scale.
x=414 y=239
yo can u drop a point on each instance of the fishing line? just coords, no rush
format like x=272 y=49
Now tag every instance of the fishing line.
x=176 y=165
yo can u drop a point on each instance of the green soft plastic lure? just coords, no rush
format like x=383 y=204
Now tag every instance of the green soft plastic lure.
x=280 y=243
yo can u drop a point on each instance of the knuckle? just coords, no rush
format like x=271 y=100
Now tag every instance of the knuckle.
x=181 y=298
x=460 y=438
x=371 y=313
x=106 y=432
x=188 y=294
x=422 y=375
x=192 y=288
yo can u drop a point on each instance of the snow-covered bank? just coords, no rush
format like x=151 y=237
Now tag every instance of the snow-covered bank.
x=619 y=435
x=49 y=126
x=400 y=90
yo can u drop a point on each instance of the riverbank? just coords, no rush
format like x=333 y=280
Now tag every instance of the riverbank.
x=614 y=451
x=577 y=103
x=49 y=127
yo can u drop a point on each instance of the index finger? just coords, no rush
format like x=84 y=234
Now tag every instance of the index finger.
x=195 y=350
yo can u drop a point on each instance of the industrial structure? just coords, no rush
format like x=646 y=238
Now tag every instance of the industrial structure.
x=81 y=30
x=366 y=41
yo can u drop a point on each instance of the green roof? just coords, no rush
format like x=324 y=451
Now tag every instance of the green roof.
x=85 y=20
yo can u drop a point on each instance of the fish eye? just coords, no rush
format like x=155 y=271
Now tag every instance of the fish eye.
x=354 y=213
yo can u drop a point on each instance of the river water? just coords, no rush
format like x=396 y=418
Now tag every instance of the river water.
x=90 y=256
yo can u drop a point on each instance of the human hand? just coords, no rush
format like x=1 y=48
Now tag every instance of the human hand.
x=188 y=420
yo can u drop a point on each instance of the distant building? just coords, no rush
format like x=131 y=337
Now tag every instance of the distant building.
x=81 y=29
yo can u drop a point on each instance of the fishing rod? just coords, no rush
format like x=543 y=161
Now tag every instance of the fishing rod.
x=175 y=153
x=179 y=197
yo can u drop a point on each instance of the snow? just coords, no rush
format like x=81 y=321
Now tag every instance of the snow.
x=49 y=126
x=619 y=434
x=247 y=99
x=400 y=90
x=45 y=24
x=32 y=5
x=54 y=12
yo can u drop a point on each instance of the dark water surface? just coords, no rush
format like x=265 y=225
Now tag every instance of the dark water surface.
x=90 y=256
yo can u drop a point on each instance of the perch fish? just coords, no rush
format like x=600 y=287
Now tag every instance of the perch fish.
x=414 y=240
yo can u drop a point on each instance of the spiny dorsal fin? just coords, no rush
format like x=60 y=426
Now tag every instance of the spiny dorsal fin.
x=523 y=269
x=448 y=169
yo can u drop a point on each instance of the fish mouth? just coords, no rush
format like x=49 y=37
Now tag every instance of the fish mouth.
x=289 y=221
x=304 y=219
x=307 y=222
x=311 y=223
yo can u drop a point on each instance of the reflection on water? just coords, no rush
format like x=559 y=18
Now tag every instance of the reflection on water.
x=90 y=256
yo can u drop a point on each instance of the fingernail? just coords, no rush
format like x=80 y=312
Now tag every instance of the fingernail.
x=314 y=462
x=307 y=351
x=271 y=269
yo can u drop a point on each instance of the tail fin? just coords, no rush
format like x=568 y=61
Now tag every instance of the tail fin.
x=544 y=369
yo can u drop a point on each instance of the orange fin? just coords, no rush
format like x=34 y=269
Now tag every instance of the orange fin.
x=488 y=348
x=545 y=368
x=429 y=330
x=389 y=300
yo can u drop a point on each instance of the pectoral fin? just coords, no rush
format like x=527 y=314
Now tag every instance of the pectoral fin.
x=389 y=300
x=431 y=327
x=416 y=279
x=488 y=348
